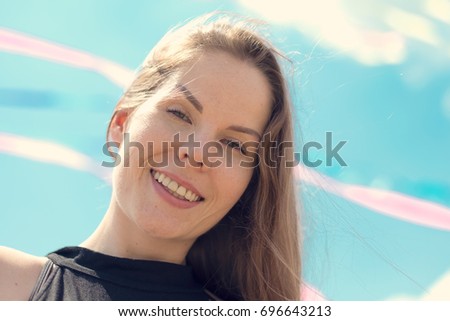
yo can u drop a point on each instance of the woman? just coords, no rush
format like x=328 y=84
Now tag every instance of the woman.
x=187 y=221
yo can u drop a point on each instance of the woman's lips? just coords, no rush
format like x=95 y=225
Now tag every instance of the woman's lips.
x=168 y=195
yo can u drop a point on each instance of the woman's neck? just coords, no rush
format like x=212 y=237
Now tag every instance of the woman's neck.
x=118 y=236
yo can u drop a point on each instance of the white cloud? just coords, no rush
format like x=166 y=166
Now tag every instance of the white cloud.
x=412 y=25
x=438 y=9
x=329 y=23
x=371 y=32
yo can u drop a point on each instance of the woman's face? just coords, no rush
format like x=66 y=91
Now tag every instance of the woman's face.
x=177 y=191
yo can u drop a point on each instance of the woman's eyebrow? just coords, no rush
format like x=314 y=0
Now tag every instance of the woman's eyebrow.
x=245 y=130
x=194 y=101
x=190 y=96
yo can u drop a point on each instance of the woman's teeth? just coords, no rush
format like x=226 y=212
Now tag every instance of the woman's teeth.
x=174 y=188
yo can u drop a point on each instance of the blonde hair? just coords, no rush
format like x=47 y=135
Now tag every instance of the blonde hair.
x=253 y=253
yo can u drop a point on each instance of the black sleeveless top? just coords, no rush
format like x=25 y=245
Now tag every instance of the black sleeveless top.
x=75 y=273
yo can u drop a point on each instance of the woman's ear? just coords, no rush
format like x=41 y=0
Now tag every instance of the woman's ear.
x=118 y=125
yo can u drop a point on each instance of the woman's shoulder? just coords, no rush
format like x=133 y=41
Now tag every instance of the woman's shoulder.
x=19 y=272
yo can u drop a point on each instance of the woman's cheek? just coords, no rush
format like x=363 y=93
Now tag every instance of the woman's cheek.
x=237 y=180
x=152 y=136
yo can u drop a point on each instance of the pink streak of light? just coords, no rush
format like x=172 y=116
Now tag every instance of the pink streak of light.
x=14 y=42
x=51 y=153
x=390 y=203
x=309 y=293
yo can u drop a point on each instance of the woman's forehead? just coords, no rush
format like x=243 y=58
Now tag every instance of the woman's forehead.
x=228 y=84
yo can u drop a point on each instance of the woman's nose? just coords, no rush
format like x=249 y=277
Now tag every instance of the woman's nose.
x=189 y=151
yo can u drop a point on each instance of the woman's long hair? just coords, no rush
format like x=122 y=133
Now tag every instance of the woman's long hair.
x=253 y=253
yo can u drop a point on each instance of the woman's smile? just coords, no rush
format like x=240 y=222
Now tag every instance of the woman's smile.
x=175 y=188
x=175 y=191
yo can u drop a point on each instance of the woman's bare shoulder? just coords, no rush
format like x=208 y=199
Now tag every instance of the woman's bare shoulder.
x=19 y=272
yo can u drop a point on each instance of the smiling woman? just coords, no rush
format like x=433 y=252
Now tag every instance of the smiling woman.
x=185 y=223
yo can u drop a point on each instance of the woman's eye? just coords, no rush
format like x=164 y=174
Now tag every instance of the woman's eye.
x=180 y=115
x=234 y=145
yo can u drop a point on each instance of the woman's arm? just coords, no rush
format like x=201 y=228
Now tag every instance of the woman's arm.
x=19 y=272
